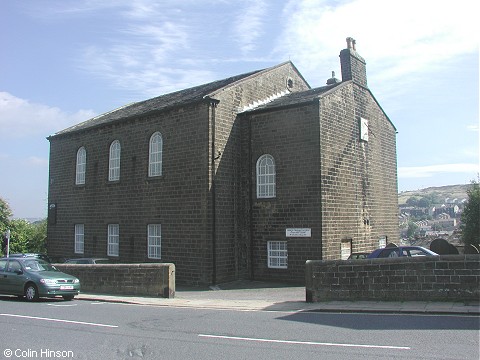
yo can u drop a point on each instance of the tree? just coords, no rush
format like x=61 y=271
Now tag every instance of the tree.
x=24 y=236
x=471 y=217
x=38 y=240
x=424 y=202
x=5 y=214
x=412 y=229
x=412 y=201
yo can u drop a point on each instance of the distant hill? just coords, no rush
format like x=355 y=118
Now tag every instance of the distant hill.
x=451 y=192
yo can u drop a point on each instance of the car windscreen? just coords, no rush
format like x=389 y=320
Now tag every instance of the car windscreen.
x=102 y=261
x=38 y=265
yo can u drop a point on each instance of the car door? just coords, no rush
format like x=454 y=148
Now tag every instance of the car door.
x=389 y=253
x=416 y=252
x=14 y=277
x=3 y=276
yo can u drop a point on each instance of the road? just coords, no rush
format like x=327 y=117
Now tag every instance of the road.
x=99 y=330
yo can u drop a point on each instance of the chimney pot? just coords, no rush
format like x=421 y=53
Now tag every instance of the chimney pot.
x=349 y=42
x=333 y=79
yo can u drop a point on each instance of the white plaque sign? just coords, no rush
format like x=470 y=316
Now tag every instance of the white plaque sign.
x=298 y=232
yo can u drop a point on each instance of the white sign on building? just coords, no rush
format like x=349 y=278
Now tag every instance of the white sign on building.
x=298 y=232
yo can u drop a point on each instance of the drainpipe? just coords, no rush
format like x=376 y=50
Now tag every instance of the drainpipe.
x=250 y=200
x=213 y=105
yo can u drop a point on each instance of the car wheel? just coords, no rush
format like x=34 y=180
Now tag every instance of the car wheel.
x=68 y=297
x=31 y=292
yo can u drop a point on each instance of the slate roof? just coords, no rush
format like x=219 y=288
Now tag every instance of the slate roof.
x=162 y=102
x=302 y=97
x=294 y=98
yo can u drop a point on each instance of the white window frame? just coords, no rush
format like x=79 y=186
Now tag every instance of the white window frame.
x=345 y=249
x=113 y=240
x=79 y=238
x=154 y=236
x=277 y=253
x=364 y=129
x=114 y=161
x=155 y=154
x=81 y=166
x=382 y=242
x=266 y=177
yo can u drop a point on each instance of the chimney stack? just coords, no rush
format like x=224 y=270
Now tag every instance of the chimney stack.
x=352 y=64
x=333 y=79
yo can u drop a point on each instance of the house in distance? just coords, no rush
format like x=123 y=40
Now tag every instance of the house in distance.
x=242 y=178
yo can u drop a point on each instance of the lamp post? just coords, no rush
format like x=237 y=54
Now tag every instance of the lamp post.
x=7 y=236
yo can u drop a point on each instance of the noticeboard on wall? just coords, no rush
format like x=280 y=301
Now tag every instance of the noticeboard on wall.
x=298 y=232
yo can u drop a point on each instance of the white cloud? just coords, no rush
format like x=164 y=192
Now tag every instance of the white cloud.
x=37 y=161
x=149 y=56
x=396 y=38
x=433 y=170
x=248 y=26
x=473 y=127
x=20 y=118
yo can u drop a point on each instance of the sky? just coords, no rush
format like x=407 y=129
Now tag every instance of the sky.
x=65 y=61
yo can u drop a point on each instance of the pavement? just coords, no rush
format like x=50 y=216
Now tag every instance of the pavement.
x=263 y=296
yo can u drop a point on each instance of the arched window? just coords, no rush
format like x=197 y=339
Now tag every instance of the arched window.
x=266 y=176
x=114 y=161
x=155 y=155
x=81 y=166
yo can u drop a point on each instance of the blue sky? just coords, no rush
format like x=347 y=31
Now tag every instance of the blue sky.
x=65 y=61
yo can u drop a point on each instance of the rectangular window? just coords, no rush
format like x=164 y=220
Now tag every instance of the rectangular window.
x=364 y=129
x=154 y=241
x=345 y=249
x=113 y=240
x=277 y=254
x=79 y=238
x=382 y=242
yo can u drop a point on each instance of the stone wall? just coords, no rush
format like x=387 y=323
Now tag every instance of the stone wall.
x=124 y=279
x=443 y=278
x=204 y=247
x=358 y=178
x=174 y=200
x=233 y=253
x=291 y=137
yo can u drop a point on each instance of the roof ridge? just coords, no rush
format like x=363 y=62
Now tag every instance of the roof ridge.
x=257 y=72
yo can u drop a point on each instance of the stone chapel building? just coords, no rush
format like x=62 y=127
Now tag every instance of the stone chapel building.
x=242 y=178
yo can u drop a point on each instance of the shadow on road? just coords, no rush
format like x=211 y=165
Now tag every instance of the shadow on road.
x=21 y=299
x=386 y=321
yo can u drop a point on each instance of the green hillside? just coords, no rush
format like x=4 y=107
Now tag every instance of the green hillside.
x=452 y=192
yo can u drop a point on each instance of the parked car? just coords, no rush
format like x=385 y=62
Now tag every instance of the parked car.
x=358 y=255
x=88 y=261
x=34 y=278
x=411 y=251
x=31 y=255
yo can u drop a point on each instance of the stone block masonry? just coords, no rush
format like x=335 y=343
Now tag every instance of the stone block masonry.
x=442 y=278
x=125 y=279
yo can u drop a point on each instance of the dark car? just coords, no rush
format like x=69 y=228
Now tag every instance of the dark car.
x=358 y=255
x=88 y=261
x=34 y=278
x=410 y=251
x=31 y=255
